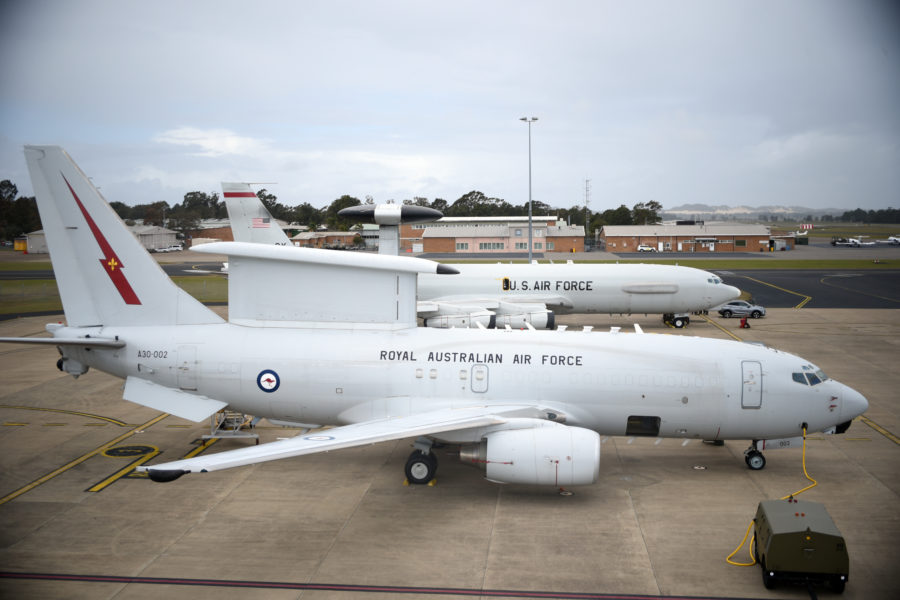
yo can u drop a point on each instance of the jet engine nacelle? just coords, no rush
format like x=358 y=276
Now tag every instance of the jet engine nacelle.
x=517 y=315
x=71 y=366
x=557 y=455
x=449 y=315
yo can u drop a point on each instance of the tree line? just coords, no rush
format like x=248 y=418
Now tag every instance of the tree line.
x=19 y=215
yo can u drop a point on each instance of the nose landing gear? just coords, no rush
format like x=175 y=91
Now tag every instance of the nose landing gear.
x=754 y=458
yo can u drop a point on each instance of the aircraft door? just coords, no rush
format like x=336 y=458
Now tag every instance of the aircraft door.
x=751 y=387
x=479 y=378
x=187 y=367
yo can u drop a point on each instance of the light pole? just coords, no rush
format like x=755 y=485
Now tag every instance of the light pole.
x=529 y=120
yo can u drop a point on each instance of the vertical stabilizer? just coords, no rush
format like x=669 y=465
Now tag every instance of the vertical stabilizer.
x=105 y=276
x=250 y=221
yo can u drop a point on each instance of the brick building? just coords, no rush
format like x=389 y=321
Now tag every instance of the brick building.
x=714 y=237
x=480 y=235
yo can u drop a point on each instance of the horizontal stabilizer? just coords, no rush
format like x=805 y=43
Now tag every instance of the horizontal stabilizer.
x=176 y=402
x=80 y=342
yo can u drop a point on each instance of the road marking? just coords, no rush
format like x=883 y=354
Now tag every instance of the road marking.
x=100 y=486
x=68 y=412
x=772 y=285
x=846 y=289
x=880 y=429
x=80 y=459
x=711 y=322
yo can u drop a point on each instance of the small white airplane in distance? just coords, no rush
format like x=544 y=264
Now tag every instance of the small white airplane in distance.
x=527 y=406
x=893 y=240
x=517 y=295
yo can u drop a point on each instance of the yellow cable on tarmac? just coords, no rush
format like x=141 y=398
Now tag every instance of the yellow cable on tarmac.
x=753 y=537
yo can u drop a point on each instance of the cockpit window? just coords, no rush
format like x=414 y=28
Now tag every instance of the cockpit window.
x=799 y=378
x=714 y=280
x=813 y=379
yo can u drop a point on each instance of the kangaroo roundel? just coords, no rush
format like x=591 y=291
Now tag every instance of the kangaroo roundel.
x=268 y=380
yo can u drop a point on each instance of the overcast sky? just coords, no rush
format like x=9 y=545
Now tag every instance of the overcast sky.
x=758 y=102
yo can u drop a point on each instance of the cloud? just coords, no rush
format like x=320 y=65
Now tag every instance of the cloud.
x=213 y=142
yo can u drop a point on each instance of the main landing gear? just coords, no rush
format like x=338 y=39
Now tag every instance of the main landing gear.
x=754 y=458
x=422 y=464
x=677 y=321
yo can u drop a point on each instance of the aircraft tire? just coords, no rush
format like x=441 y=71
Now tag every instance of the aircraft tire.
x=678 y=323
x=420 y=467
x=755 y=460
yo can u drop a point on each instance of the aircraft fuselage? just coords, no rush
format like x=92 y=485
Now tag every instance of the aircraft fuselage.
x=613 y=383
x=584 y=288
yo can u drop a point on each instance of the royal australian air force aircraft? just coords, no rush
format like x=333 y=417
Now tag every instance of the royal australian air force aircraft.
x=527 y=406
x=517 y=295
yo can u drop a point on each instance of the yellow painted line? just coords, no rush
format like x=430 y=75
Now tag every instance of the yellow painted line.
x=68 y=412
x=95 y=424
x=771 y=285
x=15 y=424
x=79 y=460
x=179 y=426
x=880 y=429
x=200 y=448
x=55 y=424
x=122 y=472
x=711 y=322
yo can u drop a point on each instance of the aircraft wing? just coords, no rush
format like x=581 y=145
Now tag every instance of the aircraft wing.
x=347 y=436
x=491 y=311
x=494 y=302
x=52 y=341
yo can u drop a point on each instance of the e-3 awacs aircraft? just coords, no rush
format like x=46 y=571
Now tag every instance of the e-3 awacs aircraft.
x=299 y=345
x=517 y=295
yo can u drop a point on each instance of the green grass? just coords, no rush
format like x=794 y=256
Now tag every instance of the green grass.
x=23 y=265
x=39 y=295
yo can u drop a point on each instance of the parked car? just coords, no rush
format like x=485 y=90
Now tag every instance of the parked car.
x=741 y=308
x=646 y=248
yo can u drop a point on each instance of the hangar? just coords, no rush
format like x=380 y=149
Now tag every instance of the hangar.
x=695 y=237
x=491 y=235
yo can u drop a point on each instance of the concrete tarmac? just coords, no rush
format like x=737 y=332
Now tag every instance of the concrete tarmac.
x=660 y=521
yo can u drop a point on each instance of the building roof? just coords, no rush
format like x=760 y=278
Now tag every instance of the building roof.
x=566 y=230
x=684 y=230
x=493 y=220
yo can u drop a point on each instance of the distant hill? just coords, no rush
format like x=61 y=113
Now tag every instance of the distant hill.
x=705 y=212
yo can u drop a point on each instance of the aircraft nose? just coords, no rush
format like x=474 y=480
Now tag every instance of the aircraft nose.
x=854 y=404
x=726 y=293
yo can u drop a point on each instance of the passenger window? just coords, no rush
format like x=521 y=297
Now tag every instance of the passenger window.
x=799 y=378
x=813 y=379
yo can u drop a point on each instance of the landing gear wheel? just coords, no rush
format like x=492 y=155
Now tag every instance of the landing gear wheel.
x=679 y=322
x=420 y=468
x=755 y=460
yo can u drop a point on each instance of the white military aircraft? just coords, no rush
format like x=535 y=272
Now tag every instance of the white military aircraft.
x=517 y=295
x=527 y=406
